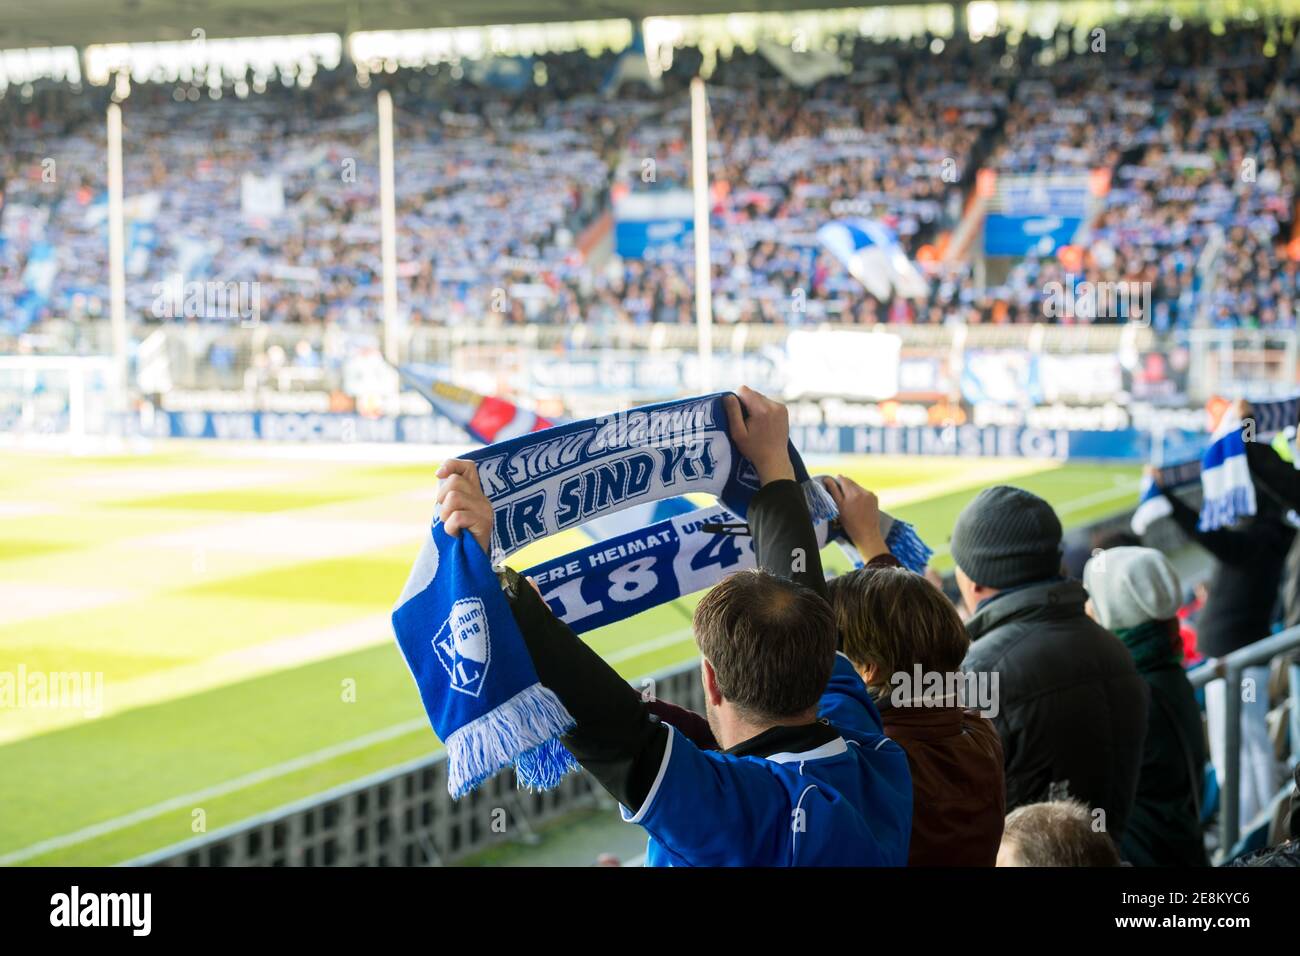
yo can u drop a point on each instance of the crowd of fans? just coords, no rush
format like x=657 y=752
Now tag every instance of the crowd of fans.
x=1045 y=719
x=894 y=139
x=1197 y=139
x=1192 y=128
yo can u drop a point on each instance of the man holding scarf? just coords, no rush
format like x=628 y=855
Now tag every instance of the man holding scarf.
x=1249 y=570
x=788 y=789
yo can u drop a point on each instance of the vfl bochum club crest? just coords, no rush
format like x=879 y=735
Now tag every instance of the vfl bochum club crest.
x=463 y=647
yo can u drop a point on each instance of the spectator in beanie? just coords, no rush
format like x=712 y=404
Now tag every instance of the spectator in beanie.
x=1059 y=833
x=1072 y=709
x=1135 y=594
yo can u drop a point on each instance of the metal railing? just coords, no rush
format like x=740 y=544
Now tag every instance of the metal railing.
x=1259 y=363
x=404 y=816
x=228 y=356
x=1230 y=669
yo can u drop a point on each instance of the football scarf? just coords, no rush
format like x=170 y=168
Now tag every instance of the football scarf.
x=1152 y=505
x=616 y=579
x=455 y=628
x=472 y=668
x=562 y=477
x=1228 y=493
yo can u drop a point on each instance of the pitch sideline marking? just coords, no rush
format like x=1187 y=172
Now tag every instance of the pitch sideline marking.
x=266 y=774
x=207 y=793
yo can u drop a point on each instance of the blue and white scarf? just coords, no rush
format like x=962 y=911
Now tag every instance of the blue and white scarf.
x=564 y=476
x=1152 y=504
x=613 y=580
x=472 y=668
x=1227 y=490
x=1228 y=494
x=454 y=627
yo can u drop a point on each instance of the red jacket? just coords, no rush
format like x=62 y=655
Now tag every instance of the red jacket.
x=958 y=791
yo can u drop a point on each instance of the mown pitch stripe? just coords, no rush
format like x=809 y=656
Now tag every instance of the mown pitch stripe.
x=189 y=800
x=1127 y=489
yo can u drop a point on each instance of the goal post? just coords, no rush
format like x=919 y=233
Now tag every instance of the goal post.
x=58 y=400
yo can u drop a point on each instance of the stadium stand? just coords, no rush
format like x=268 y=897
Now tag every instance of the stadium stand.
x=1193 y=131
x=1181 y=147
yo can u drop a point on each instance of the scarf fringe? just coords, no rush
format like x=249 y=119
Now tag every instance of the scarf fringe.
x=542 y=768
x=821 y=506
x=1236 y=503
x=522 y=725
x=905 y=544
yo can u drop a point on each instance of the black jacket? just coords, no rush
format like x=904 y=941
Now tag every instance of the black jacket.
x=1279 y=480
x=1244 y=587
x=1072 y=709
x=1164 y=828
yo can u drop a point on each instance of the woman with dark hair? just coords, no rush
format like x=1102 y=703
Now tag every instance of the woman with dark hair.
x=906 y=640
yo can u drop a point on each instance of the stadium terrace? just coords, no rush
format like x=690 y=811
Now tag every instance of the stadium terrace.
x=854 y=438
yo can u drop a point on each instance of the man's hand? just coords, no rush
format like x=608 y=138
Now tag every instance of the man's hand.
x=462 y=504
x=763 y=437
x=859 y=513
x=1152 y=472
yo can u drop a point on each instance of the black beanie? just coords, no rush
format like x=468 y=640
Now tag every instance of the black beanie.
x=1007 y=536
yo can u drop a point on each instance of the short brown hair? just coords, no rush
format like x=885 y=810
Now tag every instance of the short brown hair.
x=1057 y=833
x=771 y=643
x=892 y=619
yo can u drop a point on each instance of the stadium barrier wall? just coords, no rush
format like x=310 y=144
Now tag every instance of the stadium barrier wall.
x=1047 y=377
x=1198 y=363
x=1014 y=441
x=404 y=816
x=435 y=342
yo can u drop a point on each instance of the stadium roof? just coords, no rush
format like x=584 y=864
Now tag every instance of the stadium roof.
x=83 y=22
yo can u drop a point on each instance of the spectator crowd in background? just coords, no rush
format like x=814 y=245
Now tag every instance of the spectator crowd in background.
x=1192 y=127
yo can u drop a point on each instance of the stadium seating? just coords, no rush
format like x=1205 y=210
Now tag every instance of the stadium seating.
x=1193 y=131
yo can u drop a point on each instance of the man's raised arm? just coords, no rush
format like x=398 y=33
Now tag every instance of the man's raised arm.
x=785 y=543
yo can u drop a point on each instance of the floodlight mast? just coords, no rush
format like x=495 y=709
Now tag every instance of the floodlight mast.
x=703 y=268
x=388 y=226
x=117 y=255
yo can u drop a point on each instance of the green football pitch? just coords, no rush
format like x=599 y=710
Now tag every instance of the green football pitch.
x=235 y=605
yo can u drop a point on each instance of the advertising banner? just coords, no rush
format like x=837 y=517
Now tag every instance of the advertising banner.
x=1128 y=444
